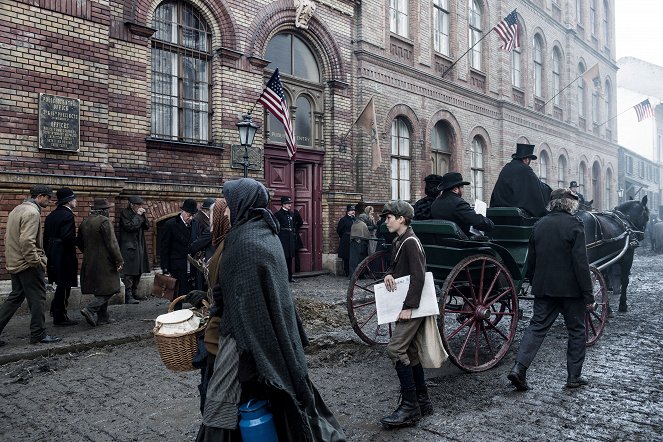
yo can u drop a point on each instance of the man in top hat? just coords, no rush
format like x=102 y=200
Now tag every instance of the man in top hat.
x=343 y=229
x=102 y=262
x=179 y=233
x=289 y=222
x=451 y=206
x=518 y=185
x=60 y=245
x=573 y=186
x=133 y=225
x=423 y=206
x=26 y=263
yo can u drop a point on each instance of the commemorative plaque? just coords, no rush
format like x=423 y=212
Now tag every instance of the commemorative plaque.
x=59 y=123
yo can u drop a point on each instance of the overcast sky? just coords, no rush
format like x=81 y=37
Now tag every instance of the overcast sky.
x=639 y=29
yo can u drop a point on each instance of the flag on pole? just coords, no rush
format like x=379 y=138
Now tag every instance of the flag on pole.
x=273 y=99
x=644 y=110
x=508 y=31
x=368 y=122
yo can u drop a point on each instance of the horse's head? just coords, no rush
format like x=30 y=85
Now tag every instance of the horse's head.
x=636 y=212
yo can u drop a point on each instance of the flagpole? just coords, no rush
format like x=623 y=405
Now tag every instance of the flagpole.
x=610 y=119
x=543 y=106
x=465 y=53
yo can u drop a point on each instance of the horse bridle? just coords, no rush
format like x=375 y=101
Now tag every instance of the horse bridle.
x=630 y=227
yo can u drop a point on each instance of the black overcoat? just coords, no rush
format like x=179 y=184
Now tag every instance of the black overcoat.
x=174 y=248
x=518 y=186
x=289 y=224
x=132 y=242
x=203 y=241
x=557 y=263
x=451 y=207
x=60 y=247
x=343 y=230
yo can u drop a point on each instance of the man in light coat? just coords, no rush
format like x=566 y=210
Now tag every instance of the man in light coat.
x=26 y=262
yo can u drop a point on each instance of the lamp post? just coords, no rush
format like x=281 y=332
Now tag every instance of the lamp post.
x=620 y=195
x=247 y=132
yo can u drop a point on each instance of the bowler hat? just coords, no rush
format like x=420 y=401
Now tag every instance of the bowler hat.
x=190 y=206
x=398 y=208
x=134 y=199
x=524 y=151
x=286 y=200
x=40 y=189
x=349 y=207
x=451 y=180
x=562 y=193
x=573 y=184
x=65 y=195
x=207 y=203
x=100 y=204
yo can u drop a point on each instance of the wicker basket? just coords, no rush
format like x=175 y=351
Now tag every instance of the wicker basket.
x=177 y=350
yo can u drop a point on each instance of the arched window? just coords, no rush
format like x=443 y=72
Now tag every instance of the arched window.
x=592 y=17
x=304 y=122
x=608 y=189
x=581 y=91
x=516 y=60
x=476 y=164
x=538 y=66
x=399 y=17
x=606 y=28
x=582 y=175
x=543 y=166
x=181 y=72
x=292 y=56
x=557 y=77
x=608 y=105
x=561 y=172
x=475 y=34
x=400 y=160
x=441 y=26
x=441 y=151
x=596 y=183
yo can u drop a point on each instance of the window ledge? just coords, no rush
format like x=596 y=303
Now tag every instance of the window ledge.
x=180 y=145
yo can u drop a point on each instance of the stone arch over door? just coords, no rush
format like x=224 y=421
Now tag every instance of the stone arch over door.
x=455 y=135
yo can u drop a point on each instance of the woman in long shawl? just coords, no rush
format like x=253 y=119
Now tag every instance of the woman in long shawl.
x=261 y=339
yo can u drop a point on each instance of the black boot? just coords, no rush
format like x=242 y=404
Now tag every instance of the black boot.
x=518 y=376
x=128 y=293
x=407 y=413
x=61 y=319
x=425 y=404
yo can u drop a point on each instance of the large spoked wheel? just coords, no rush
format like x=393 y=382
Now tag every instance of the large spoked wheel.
x=478 y=313
x=595 y=321
x=361 y=299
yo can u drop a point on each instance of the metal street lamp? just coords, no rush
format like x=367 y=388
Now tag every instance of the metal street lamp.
x=247 y=132
x=620 y=194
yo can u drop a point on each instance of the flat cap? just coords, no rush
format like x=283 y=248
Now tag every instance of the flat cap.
x=398 y=208
x=41 y=189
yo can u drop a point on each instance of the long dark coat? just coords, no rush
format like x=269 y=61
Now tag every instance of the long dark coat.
x=518 y=186
x=451 y=207
x=557 y=262
x=174 y=248
x=343 y=230
x=101 y=256
x=289 y=224
x=60 y=246
x=132 y=242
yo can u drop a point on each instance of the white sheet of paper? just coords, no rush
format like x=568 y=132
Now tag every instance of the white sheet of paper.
x=389 y=304
x=480 y=207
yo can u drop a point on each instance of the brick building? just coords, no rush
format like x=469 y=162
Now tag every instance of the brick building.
x=143 y=97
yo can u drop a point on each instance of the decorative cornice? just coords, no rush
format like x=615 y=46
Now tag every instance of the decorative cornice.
x=258 y=62
x=140 y=30
x=338 y=85
x=229 y=54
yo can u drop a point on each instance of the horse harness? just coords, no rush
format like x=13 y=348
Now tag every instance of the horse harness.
x=624 y=221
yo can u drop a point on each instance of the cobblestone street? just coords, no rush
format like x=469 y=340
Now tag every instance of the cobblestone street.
x=124 y=393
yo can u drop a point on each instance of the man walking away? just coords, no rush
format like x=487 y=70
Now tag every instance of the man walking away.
x=133 y=225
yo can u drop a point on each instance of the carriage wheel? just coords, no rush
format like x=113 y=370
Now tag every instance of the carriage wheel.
x=478 y=313
x=361 y=299
x=595 y=321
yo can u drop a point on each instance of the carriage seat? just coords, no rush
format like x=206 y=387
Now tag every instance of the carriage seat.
x=433 y=230
x=510 y=216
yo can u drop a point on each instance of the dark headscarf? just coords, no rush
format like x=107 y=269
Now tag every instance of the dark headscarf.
x=246 y=199
x=220 y=222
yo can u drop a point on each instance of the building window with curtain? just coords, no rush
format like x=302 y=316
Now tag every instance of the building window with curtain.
x=581 y=91
x=400 y=160
x=592 y=17
x=543 y=167
x=556 y=71
x=475 y=34
x=538 y=66
x=582 y=174
x=181 y=72
x=399 y=17
x=516 y=57
x=441 y=26
x=476 y=164
x=561 y=172
x=441 y=152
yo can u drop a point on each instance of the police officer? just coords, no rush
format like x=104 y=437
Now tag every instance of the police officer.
x=290 y=223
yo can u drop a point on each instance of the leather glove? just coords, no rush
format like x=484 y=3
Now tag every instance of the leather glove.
x=196 y=297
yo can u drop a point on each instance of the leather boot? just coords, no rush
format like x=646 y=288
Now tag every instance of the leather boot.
x=518 y=376
x=425 y=404
x=128 y=292
x=407 y=413
x=61 y=319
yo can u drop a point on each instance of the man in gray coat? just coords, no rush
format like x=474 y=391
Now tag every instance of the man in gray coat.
x=102 y=262
x=133 y=225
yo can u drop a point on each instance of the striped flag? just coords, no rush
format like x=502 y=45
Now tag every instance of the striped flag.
x=273 y=99
x=644 y=110
x=508 y=32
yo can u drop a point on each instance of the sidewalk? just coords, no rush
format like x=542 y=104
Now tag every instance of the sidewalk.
x=320 y=301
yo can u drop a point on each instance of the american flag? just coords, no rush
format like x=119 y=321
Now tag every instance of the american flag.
x=508 y=32
x=274 y=101
x=644 y=110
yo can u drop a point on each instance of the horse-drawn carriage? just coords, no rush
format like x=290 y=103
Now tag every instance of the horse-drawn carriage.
x=480 y=285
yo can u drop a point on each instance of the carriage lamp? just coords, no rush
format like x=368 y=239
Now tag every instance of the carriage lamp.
x=247 y=132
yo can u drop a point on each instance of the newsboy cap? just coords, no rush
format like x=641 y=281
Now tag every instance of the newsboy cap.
x=398 y=208
x=40 y=189
x=190 y=206
x=562 y=193
x=65 y=195
x=135 y=199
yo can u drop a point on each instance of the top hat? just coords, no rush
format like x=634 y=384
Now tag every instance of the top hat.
x=451 y=180
x=40 y=189
x=207 y=203
x=573 y=184
x=349 y=207
x=190 y=206
x=398 y=208
x=286 y=200
x=65 y=195
x=136 y=200
x=100 y=204
x=524 y=151
x=562 y=193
